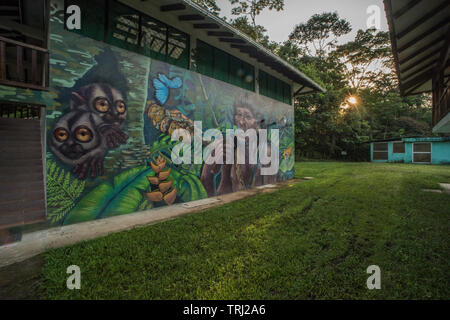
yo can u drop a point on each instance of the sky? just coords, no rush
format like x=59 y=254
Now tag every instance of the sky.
x=280 y=24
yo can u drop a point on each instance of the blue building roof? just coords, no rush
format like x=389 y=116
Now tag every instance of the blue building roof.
x=415 y=139
x=426 y=139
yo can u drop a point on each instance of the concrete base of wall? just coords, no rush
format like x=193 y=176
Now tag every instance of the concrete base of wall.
x=38 y=242
x=445 y=187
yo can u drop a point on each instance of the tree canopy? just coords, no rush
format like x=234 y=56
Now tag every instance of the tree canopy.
x=362 y=101
x=320 y=33
x=210 y=5
x=252 y=8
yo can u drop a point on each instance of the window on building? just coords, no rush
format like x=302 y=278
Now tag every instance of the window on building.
x=380 y=151
x=236 y=72
x=248 y=79
x=422 y=152
x=129 y=29
x=153 y=38
x=271 y=87
x=123 y=27
x=286 y=93
x=274 y=88
x=399 y=147
x=204 y=59
x=220 y=65
x=177 y=48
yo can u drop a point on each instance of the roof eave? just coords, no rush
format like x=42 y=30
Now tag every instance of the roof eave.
x=415 y=72
x=313 y=85
x=392 y=33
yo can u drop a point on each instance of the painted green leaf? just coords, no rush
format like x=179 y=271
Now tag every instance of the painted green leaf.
x=191 y=188
x=287 y=164
x=63 y=190
x=108 y=199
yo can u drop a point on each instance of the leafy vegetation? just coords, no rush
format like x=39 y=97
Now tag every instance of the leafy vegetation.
x=311 y=240
x=327 y=125
x=210 y=5
x=362 y=102
x=63 y=190
x=124 y=195
x=319 y=34
x=252 y=8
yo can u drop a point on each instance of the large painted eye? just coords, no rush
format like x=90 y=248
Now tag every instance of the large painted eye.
x=121 y=107
x=102 y=105
x=83 y=134
x=61 y=134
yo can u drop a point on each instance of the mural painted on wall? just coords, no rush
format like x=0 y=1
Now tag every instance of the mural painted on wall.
x=193 y=97
x=110 y=116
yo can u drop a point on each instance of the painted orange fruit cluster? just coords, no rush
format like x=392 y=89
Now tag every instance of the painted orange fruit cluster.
x=162 y=189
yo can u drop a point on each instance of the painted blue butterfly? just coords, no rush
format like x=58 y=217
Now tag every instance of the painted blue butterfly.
x=162 y=84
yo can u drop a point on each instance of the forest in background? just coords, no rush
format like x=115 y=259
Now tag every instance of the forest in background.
x=362 y=100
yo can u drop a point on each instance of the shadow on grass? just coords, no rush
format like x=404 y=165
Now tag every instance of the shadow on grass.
x=313 y=240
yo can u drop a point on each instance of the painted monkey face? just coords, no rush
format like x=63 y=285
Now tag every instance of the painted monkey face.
x=74 y=135
x=101 y=99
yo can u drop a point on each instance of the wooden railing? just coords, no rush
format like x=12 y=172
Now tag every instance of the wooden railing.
x=23 y=65
x=17 y=110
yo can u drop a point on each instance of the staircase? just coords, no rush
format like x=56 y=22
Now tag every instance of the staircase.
x=22 y=192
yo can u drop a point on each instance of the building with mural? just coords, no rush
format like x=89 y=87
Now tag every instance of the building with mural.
x=91 y=93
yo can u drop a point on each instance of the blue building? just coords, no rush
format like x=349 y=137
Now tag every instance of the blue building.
x=421 y=150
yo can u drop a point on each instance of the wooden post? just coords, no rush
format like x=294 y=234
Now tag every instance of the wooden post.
x=45 y=73
x=2 y=60
x=33 y=66
x=20 y=63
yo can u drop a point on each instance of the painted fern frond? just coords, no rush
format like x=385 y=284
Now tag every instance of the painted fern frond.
x=62 y=191
x=56 y=214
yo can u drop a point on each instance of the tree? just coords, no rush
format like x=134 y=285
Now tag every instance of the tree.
x=307 y=49
x=319 y=34
x=252 y=8
x=368 y=58
x=257 y=33
x=210 y=5
x=326 y=124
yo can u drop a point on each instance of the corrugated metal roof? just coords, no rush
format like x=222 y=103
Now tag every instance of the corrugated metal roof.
x=202 y=19
x=420 y=38
x=413 y=139
x=427 y=139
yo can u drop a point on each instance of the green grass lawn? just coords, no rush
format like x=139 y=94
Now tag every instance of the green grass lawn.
x=312 y=240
